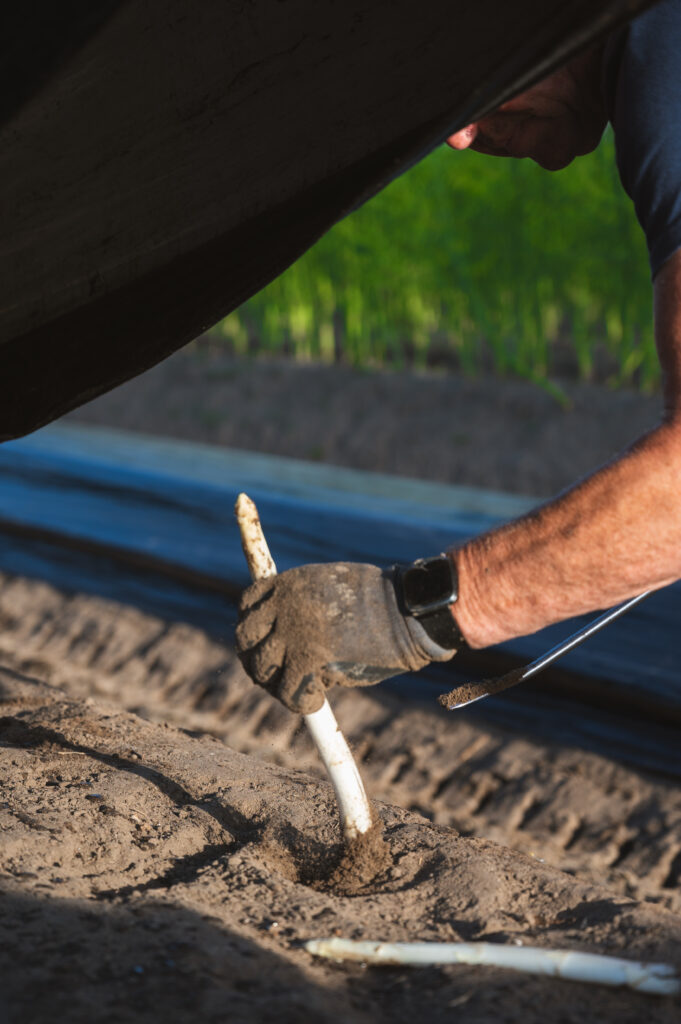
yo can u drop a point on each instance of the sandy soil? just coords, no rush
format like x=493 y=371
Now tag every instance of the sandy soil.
x=150 y=875
x=147 y=868
x=167 y=837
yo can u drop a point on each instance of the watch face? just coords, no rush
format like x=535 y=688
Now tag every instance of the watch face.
x=428 y=585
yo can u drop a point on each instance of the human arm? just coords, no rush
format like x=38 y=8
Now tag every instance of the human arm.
x=617 y=532
x=613 y=535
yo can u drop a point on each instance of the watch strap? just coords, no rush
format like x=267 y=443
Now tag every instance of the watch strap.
x=442 y=628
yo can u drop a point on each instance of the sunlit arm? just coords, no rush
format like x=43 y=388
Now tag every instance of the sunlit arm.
x=612 y=535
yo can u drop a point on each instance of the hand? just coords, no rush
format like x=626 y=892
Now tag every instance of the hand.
x=325 y=625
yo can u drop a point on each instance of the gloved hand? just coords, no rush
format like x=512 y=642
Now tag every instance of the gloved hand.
x=325 y=625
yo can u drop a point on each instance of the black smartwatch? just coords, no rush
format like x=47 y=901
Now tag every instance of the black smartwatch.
x=426 y=590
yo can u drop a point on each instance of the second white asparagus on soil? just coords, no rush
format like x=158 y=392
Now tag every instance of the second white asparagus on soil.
x=655 y=979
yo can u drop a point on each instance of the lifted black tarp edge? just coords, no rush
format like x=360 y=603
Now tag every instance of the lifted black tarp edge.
x=179 y=300
x=65 y=341
x=37 y=37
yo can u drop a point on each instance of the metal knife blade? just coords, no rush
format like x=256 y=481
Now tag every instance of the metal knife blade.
x=467 y=693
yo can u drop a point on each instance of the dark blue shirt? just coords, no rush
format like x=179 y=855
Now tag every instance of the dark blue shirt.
x=642 y=82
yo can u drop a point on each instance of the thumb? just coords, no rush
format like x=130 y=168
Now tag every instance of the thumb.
x=302 y=693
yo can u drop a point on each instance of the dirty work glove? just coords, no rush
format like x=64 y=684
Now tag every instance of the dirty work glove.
x=325 y=625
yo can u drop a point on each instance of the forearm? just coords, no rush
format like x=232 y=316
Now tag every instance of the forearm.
x=614 y=535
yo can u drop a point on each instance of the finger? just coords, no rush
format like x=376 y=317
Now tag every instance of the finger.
x=302 y=694
x=267 y=660
x=245 y=658
x=270 y=682
x=257 y=592
x=255 y=626
x=463 y=138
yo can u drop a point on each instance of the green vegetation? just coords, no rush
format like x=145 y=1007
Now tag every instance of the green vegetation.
x=475 y=263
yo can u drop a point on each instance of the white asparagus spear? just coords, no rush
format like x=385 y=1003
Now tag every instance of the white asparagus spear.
x=354 y=807
x=657 y=979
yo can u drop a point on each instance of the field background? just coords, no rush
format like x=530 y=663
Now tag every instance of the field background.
x=477 y=265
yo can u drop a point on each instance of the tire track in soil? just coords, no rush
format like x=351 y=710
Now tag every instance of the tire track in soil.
x=568 y=808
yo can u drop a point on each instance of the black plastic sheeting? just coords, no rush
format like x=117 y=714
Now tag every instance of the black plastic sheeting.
x=169 y=545
x=174 y=157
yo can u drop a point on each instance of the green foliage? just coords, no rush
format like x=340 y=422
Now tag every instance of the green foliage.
x=476 y=263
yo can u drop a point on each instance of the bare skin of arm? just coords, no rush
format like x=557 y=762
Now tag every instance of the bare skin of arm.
x=611 y=536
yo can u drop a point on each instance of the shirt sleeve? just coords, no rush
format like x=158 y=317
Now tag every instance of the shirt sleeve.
x=643 y=94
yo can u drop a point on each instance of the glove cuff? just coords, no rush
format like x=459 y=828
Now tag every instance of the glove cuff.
x=443 y=630
x=428 y=646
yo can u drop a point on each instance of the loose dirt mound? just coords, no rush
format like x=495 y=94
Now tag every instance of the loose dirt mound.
x=151 y=875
